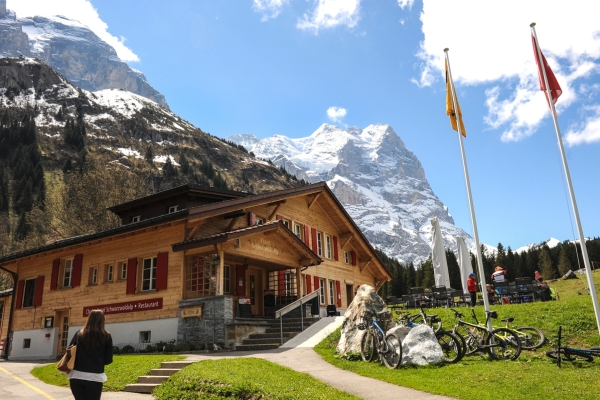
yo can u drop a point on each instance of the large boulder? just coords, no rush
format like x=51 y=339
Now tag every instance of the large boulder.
x=419 y=345
x=365 y=302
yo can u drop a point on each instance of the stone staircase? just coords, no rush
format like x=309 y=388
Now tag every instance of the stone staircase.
x=271 y=339
x=146 y=384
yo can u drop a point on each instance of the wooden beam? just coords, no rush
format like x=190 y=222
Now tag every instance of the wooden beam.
x=310 y=203
x=274 y=211
x=195 y=229
x=277 y=203
x=231 y=224
x=345 y=240
x=363 y=266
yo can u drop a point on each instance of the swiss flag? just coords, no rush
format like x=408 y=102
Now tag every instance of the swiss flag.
x=555 y=89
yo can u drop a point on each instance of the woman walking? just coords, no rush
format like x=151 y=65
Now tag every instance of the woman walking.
x=94 y=351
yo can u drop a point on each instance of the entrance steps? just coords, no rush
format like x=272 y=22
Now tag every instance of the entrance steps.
x=146 y=384
x=271 y=339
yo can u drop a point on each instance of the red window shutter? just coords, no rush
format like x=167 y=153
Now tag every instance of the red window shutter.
x=251 y=219
x=306 y=236
x=240 y=277
x=162 y=270
x=278 y=217
x=339 y=293
x=335 y=249
x=77 y=264
x=316 y=280
x=313 y=236
x=308 y=284
x=39 y=290
x=54 y=276
x=353 y=254
x=281 y=282
x=20 y=288
x=131 y=275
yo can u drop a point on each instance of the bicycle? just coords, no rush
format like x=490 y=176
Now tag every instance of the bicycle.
x=499 y=343
x=572 y=353
x=453 y=346
x=531 y=338
x=376 y=341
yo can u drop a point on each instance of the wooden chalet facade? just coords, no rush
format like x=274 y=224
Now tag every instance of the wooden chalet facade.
x=181 y=264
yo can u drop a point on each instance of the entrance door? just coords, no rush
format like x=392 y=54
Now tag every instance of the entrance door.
x=62 y=319
x=349 y=295
x=255 y=291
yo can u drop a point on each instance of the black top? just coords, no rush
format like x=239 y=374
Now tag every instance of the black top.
x=93 y=359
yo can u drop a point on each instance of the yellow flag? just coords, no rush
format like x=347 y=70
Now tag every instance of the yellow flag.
x=450 y=107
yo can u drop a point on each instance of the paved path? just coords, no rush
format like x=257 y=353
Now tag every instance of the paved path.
x=17 y=383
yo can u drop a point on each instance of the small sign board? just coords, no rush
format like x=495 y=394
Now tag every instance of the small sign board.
x=189 y=312
x=129 y=306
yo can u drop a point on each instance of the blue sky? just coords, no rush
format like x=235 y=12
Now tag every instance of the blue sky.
x=270 y=67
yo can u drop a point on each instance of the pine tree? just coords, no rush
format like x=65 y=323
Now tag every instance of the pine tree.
x=453 y=270
x=184 y=164
x=68 y=166
x=545 y=266
x=149 y=156
x=168 y=169
x=564 y=264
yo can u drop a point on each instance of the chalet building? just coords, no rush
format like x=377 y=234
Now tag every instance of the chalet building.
x=189 y=264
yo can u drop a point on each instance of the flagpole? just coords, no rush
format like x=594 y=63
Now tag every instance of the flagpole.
x=584 y=252
x=486 y=303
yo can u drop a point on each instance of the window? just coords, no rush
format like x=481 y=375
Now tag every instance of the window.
x=227 y=280
x=173 y=209
x=346 y=257
x=1 y=310
x=149 y=274
x=109 y=273
x=123 y=270
x=259 y=221
x=321 y=291
x=29 y=293
x=68 y=273
x=286 y=223
x=137 y=218
x=26 y=343
x=327 y=246
x=319 y=244
x=93 y=276
x=331 y=293
x=298 y=231
x=145 y=336
x=201 y=276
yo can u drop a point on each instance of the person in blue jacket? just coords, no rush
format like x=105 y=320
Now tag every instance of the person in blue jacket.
x=94 y=351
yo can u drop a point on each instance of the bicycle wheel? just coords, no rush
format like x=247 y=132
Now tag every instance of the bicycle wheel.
x=451 y=346
x=531 y=338
x=504 y=344
x=393 y=356
x=433 y=323
x=574 y=356
x=471 y=339
x=368 y=350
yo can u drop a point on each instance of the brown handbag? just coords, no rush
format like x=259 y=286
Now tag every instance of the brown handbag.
x=67 y=362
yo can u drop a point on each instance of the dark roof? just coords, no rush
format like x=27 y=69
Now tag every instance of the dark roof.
x=6 y=292
x=195 y=189
x=98 y=235
x=225 y=236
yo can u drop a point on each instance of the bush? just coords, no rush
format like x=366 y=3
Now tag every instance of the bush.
x=127 y=349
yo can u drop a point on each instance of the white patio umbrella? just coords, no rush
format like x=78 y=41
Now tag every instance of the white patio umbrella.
x=464 y=262
x=438 y=256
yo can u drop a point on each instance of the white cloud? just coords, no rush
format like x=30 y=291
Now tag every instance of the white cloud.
x=588 y=132
x=269 y=8
x=80 y=10
x=329 y=14
x=491 y=43
x=336 y=114
x=406 y=3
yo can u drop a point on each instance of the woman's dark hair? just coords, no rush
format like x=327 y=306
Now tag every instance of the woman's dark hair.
x=93 y=333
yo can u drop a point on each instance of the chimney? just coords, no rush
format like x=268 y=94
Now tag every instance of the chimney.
x=2 y=8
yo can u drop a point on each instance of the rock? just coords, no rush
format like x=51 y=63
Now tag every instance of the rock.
x=569 y=275
x=366 y=301
x=420 y=347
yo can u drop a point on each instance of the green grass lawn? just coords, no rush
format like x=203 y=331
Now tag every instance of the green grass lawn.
x=124 y=370
x=532 y=376
x=244 y=378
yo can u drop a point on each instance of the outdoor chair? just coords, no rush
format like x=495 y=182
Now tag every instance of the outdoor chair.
x=332 y=311
x=418 y=295
x=408 y=301
x=504 y=296
x=440 y=295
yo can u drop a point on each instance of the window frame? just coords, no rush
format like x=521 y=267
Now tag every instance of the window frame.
x=319 y=244
x=259 y=221
x=298 y=231
x=227 y=279
x=152 y=274
x=67 y=266
x=173 y=209
x=29 y=293
x=328 y=247
x=122 y=269
x=331 y=292
x=322 y=282
x=136 y=218
x=143 y=334
x=346 y=257
x=93 y=276
x=109 y=274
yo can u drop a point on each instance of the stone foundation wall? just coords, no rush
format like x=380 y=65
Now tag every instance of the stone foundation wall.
x=217 y=312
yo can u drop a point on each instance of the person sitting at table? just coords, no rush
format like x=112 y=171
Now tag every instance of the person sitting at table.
x=544 y=290
x=492 y=295
x=499 y=274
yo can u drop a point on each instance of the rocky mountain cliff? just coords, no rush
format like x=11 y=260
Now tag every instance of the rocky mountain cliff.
x=74 y=51
x=124 y=127
x=381 y=183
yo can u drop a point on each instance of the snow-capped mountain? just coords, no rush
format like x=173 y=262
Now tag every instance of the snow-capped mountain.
x=73 y=50
x=381 y=183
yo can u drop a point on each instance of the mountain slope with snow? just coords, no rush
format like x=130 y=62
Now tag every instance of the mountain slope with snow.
x=380 y=182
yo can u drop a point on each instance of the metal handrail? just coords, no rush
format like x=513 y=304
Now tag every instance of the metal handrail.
x=292 y=306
